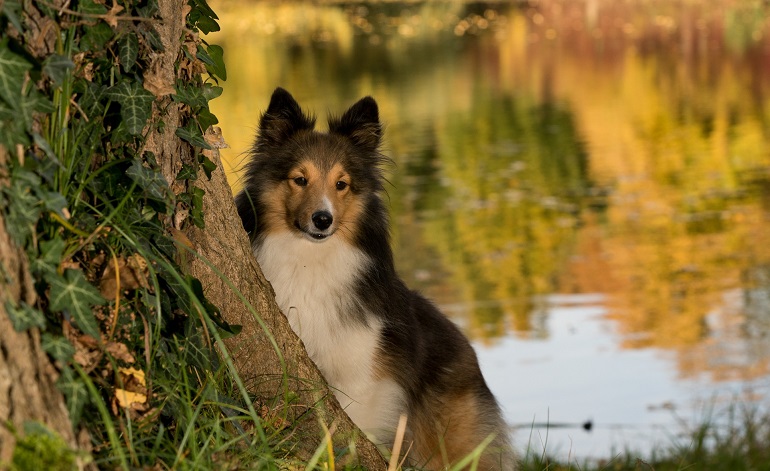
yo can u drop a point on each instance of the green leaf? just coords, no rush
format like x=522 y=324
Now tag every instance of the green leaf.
x=128 y=50
x=191 y=95
x=135 y=104
x=192 y=134
x=91 y=98
x=91 y=7
x=211 y=91
x=188 y=172
x=96 y=37
x=23 y=205
x=75 y=392
x=152 y=38
x=74 y=294
x=206 y=24
x=12 y=131
x=202 y=17
x=213 y=59
x=154 y=185
x=208 y=166
x=58 y=347
x=51 y=252
x=58 y=67
x=35 y=102
x=206 y=118
x=24 y=316
x=13 y=11
x=12 y=70
x=53 y=201
x=196 y=207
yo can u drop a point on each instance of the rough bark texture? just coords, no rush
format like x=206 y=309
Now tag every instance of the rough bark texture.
x=27 y=378
x=224 y=245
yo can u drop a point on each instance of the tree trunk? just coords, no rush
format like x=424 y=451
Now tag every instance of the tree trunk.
x=224 y=245
x=27 y=377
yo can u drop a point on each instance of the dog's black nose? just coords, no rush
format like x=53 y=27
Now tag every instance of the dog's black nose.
x=322 y=220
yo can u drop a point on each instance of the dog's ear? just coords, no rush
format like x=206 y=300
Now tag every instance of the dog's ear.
x=361 y=124
x=283 y=118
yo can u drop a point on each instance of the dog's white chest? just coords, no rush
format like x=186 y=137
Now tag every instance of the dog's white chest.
x=315 y=287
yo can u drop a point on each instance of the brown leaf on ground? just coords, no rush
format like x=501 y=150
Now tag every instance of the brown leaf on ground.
x=120 y=352
x=131 y=274
x=133 y=393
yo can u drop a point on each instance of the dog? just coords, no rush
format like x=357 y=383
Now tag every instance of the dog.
x=312 y=206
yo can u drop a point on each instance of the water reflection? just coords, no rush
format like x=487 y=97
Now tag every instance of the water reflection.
x=563 y=148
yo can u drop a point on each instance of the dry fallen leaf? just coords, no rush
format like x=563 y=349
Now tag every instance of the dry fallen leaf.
x=129 y=399
x=133 y=393
x=133 y=274
x=132 y=375
x=119 y=351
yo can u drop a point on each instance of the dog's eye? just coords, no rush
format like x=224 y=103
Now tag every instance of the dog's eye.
x=300 y=181
x=341 y=185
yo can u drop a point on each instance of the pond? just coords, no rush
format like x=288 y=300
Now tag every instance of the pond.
x=583 y=186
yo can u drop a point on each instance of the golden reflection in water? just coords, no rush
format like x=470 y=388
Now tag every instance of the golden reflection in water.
x=570 y=147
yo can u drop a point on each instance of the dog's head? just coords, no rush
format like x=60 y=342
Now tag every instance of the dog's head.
x=314 y=184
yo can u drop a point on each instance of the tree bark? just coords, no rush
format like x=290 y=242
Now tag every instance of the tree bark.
x=27 y=377
x=224 y=245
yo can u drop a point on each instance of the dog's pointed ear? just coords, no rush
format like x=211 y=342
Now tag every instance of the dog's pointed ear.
x=283 y=118
x=361 y=124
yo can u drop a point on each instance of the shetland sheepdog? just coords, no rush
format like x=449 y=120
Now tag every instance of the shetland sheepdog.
x=312 y=206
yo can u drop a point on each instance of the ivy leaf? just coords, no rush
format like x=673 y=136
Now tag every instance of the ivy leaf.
x=192 y=134
x=12 y=70
x=96 y=37
x=211 y=91
x=57 y=67
x=91 y=95
x=53 y=201
x=152 y=37
x=206 y=118
x=196 y=207
x=135 y=104
x=23 y=205
x=24 y=316
x=12 y=131
x=58 y=347
x=51 y=252
x=128 y=50
x=75 y=392
x=35 y=102
x=74 y=294
x=213 y=59
x=189 y=95
x=12 y=10
x=92 y=7
x=208 y=166
x=203 y=17
x=188 y=172
x=154 y=185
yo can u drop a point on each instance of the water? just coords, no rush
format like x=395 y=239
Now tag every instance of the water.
x=583 y=186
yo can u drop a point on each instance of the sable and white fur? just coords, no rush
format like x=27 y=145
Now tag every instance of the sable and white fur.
x=312 y=206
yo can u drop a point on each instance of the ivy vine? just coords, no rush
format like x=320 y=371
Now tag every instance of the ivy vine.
x=87 y=203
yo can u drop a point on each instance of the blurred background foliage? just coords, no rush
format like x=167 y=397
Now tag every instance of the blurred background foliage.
x=551 y=147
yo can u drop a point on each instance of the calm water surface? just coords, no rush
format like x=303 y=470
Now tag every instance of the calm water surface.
x=583 y=186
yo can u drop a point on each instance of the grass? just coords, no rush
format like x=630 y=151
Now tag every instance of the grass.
x=738 y=439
